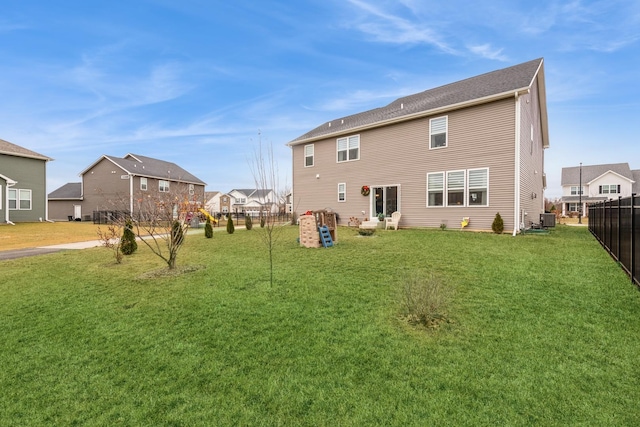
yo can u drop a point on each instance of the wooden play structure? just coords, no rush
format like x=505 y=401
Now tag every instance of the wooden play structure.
x=318 y=229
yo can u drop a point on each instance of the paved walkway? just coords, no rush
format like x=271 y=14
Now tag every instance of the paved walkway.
x=41 y=250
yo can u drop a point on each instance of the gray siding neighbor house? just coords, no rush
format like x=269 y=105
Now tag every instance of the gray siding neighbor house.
x=472 y=149
x=23 y=184
x=599 y=183
x=120 y=184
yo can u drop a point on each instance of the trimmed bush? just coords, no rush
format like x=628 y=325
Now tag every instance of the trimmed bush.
x=128 y=244
x=208 y=229
x=248 y=223
x=498 y=224
x=230 y=227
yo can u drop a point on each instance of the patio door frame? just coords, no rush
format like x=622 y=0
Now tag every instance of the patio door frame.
x=383 y=190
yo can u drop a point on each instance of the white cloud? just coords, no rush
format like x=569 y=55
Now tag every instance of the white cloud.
x=489 y=52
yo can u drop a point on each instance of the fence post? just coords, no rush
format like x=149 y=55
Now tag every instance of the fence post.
x=619 y=227
x=633 y=238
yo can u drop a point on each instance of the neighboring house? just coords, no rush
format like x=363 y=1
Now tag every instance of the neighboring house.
x=252 y=201
x=121 y=184
x=468 y=149
x=66 y=202
x=23 y=184
x=226 y=202
x=212 y=202
x=583 y=185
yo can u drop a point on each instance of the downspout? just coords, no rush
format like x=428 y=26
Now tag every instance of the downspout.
x=516 y=201
x=6 y=214
x=131 y=195
x=46 y=203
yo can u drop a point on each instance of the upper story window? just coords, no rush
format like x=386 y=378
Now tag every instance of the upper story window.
x=308 y=155
x=609 y=189
x=438 y=129
x=191 y=189
x=143 y=184
x=574 y=190
x=163 y=186
x=349 y=148
x=241 y=200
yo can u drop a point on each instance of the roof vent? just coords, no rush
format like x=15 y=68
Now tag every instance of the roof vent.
x=402 y=106
x=329 y=124
x=342 y=122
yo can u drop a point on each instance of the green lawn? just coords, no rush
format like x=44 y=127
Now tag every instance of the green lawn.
x=543 y=331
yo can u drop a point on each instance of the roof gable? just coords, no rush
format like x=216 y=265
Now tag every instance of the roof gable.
x=480 y=89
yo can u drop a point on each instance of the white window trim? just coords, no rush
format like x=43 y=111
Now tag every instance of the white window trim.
x=444 y=180
x=305 y=156
x=163 y=189
x=343 y=192
x=18 y=199
x=446 y=135
x=143 y=183
x=445 y=188
x=468 y=189
x=338 y=151
x=464 y=188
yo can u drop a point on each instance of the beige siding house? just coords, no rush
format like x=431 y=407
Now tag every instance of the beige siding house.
x=120 y=184
x=468 y=149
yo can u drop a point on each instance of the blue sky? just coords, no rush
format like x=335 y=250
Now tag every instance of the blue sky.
x=200 y=82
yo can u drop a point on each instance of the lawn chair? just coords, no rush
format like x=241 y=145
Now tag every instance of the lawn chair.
x=394 y=221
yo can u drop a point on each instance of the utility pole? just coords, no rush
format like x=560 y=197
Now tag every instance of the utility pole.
x=580 y=197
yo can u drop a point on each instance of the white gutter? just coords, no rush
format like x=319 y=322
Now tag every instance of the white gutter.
x=516 y=184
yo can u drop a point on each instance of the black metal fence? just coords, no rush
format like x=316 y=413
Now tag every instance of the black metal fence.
x=616 y=225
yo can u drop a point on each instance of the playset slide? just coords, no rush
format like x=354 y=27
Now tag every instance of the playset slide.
x=207 y=215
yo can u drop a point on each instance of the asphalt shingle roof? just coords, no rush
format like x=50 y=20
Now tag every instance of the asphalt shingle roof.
x=11 y=149
x=507 y=80
x=71 y=190
x=154 y=168
x=571 y=175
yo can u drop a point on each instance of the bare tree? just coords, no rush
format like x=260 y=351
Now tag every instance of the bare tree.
x=161 y=222
x=264 y=169
x=160 y=219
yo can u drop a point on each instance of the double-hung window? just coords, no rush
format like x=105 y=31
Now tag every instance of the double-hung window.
x=467 y=187
x=609 y=189
x=435 y=189
x=574 y=190
x=143 y=184
x=308 y=155
x=19 y=199
x=455 y=188
x=342 y=192
x=478 y=187
x=349 y=148
x=163 y=186
x=438 y=132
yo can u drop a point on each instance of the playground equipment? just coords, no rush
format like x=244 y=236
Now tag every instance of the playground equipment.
x=318 y=229
x=208 y=215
